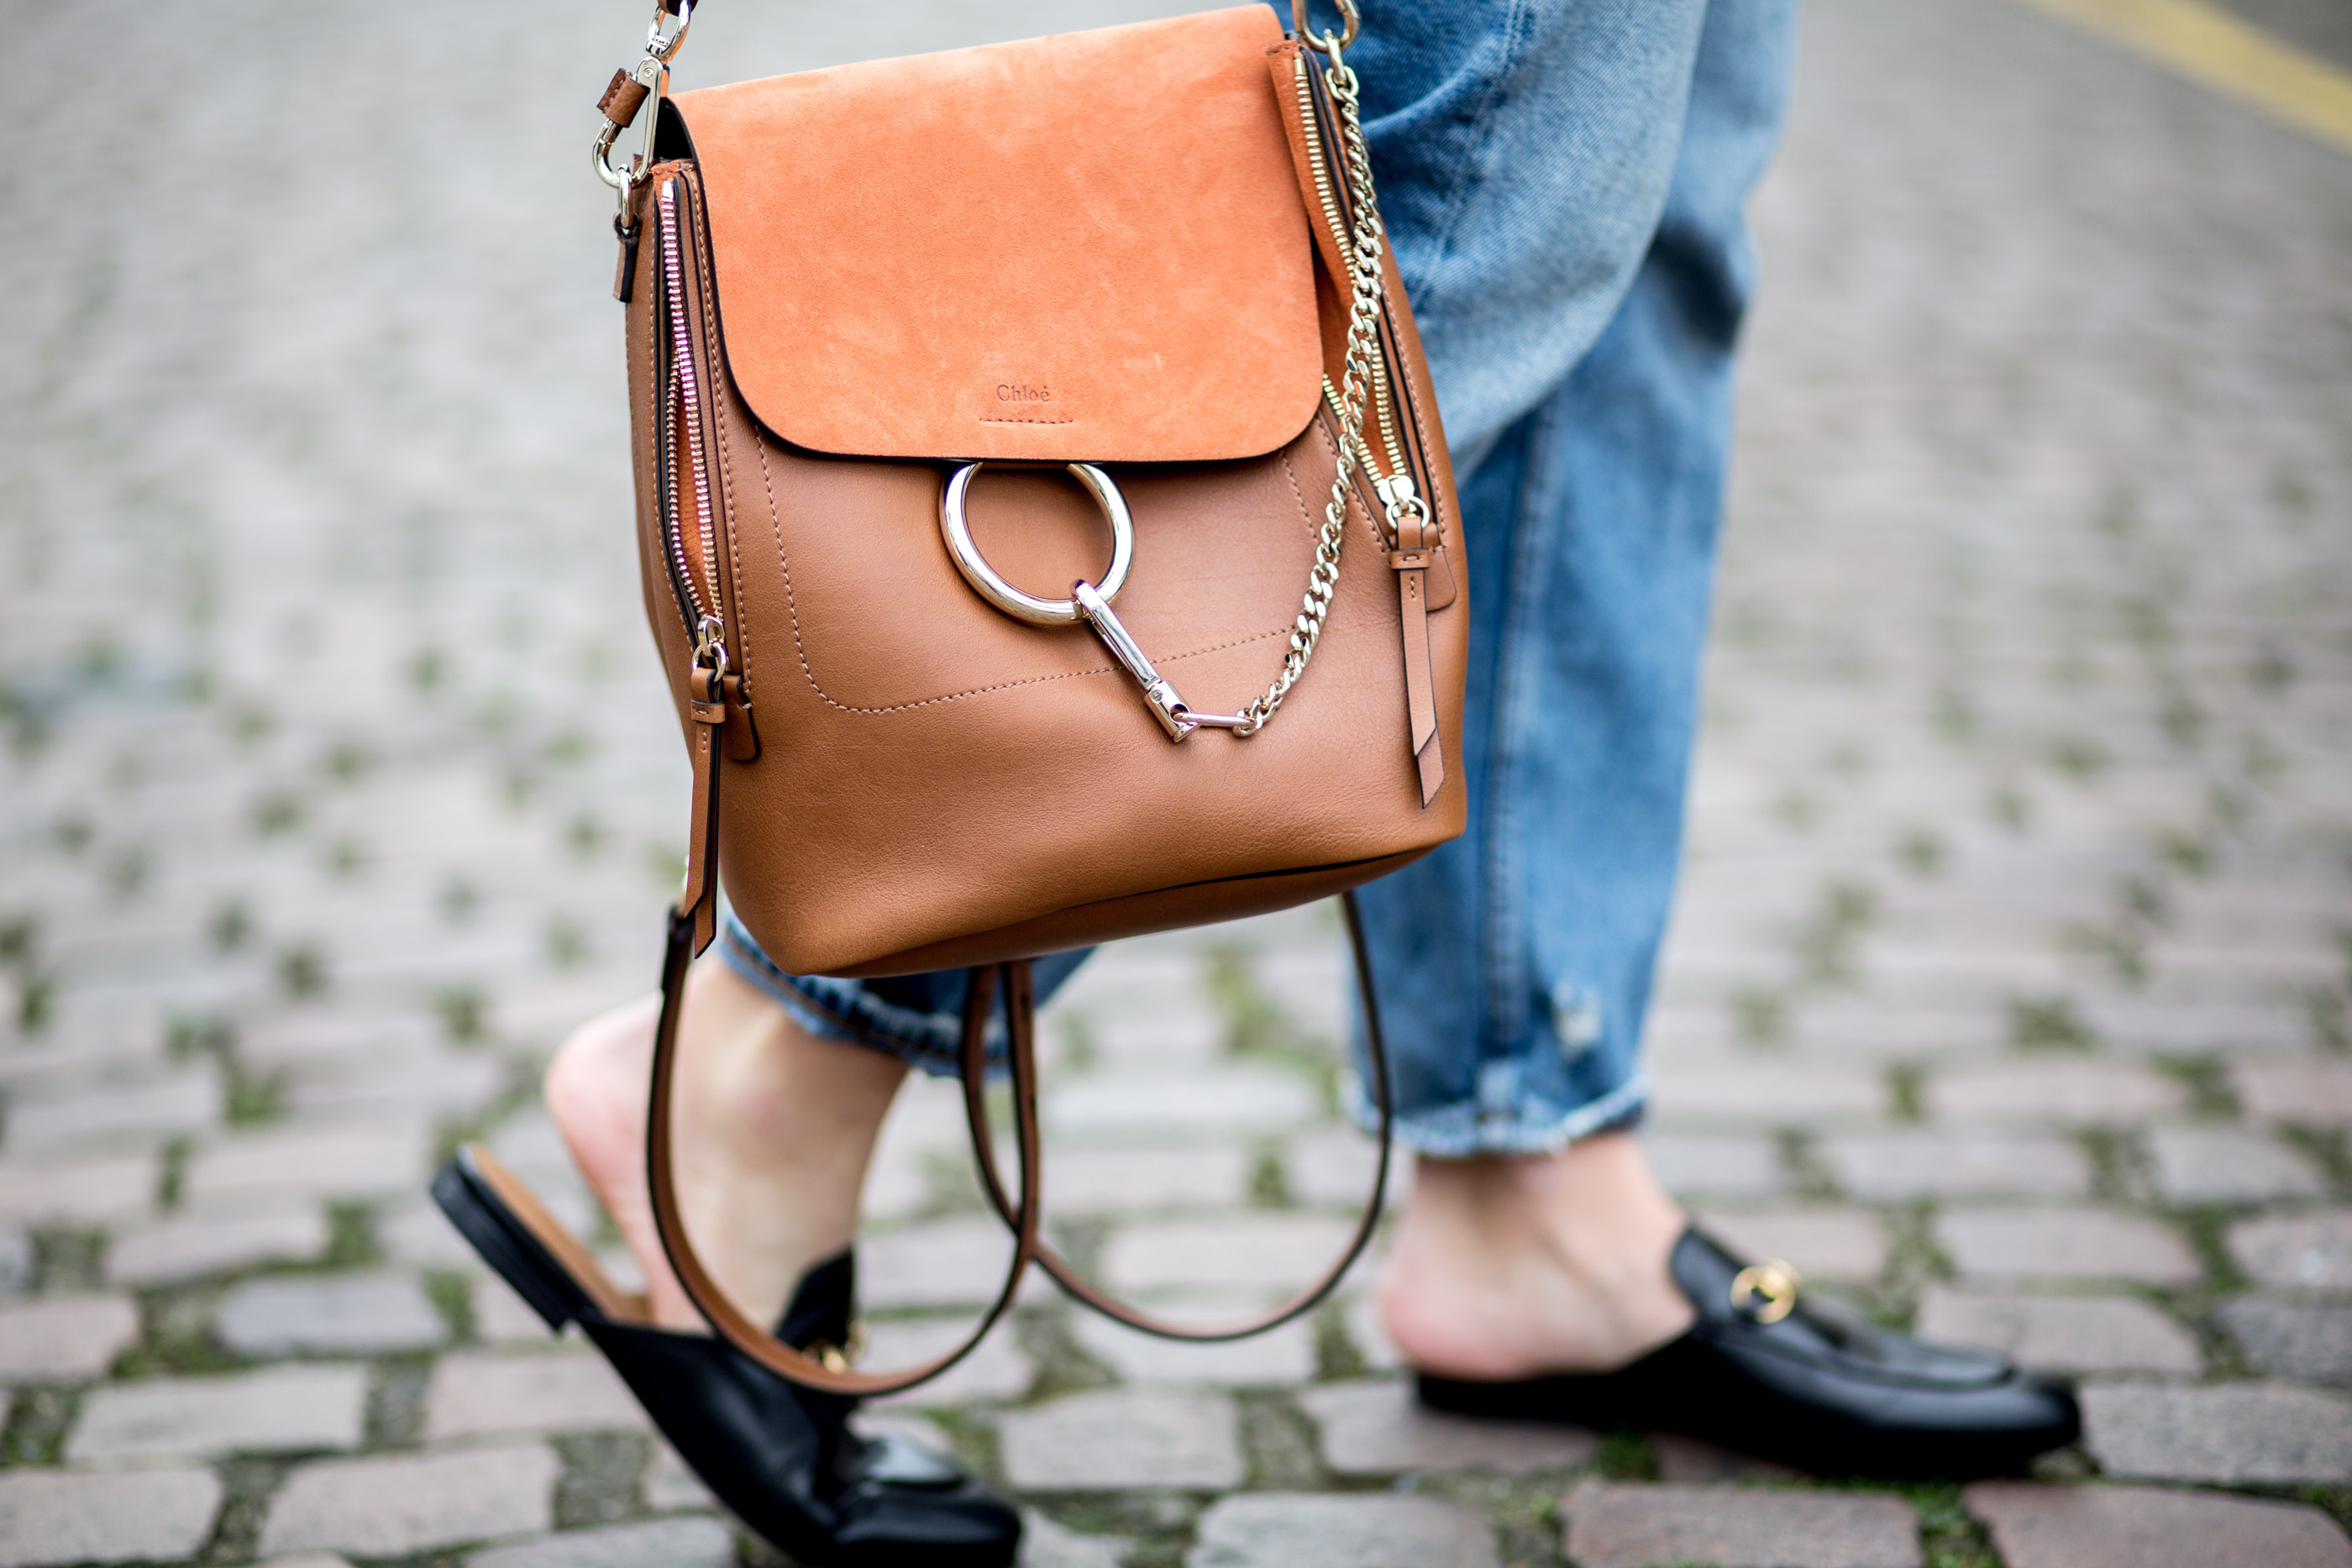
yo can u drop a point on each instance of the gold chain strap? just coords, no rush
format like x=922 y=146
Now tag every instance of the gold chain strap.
x=1367 y=293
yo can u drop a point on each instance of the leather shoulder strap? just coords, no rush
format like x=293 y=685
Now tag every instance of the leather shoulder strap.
x=1087 y=1294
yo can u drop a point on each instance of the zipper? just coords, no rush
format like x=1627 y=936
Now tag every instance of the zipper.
x=684 y=408
x=1382 y=401
x=1397 y=488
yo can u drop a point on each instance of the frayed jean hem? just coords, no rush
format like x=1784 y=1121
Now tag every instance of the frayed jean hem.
x=1532 y=1126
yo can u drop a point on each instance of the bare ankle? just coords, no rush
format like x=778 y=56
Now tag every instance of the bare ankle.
x=775 y=1128
x=1509 y=1267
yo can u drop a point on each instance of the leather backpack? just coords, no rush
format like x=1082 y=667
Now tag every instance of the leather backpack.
x=1046 y=525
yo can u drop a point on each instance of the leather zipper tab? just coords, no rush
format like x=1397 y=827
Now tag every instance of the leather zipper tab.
x=1410 y=560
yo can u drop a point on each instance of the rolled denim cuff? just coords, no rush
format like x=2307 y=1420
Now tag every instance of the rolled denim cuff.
x=1532 y=1125
x=918 y=1019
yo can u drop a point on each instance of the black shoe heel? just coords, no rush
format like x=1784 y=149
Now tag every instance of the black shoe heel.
x=463 y=1194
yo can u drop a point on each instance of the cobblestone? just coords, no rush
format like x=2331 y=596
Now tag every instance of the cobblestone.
x=49 y=1516
x=2142 y=1527
x=355 y=1162
x=1775 y=1093
x=2199 y=1165
x=669 y=1486
x=2061 y=1333
x=1381 y=1430
x=1241 y=1252
x=2313 y=1094
x=277 y=1409
x=2075 y=1244
x=1335 y=1171
x=655 y=1543
x=501 y=1317
x=358 y=1314
x=1295 y=1529
x=1234 y=1100
x=997 y=1369
x=1615 y=1526
x=64 y=1339
x=142 y=1114
x=2313 y=1251
x=1125 y=1181
x=1045 y=1544
x=16 y=1261
x=1285 y=1355
x=2292 y=1338
x=189 y=1248
x=948 y=1263
x=2235 y=1432
x=1894 y=1166
x=2066 y=1093
x=1123 y=1437
x=474 y=1393
x=84 y=1191
x=1690 y=1165
x=390 y=1506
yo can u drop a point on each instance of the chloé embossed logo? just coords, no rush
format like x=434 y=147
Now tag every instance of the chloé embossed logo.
x=1024 y=403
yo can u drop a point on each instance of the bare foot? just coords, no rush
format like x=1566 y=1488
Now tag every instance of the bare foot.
x=773 y=1127
x=1510 y=1267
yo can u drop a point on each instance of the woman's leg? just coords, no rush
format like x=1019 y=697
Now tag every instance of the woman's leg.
x=776 y=1126
x=1517 y=960
x=778 y=1104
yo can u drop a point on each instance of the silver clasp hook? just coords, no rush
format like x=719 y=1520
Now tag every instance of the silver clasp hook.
x=1086 y=602
x=652 y=74
x=1328 y=44
x=661 y=48
x=1166 y=704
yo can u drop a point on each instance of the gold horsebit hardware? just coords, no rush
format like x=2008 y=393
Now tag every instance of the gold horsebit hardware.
x=1774 y=1285
x=1087 y=601
x=838 y=1357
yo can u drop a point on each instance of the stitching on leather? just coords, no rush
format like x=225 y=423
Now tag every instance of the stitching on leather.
x=985 y=420
x=1363 y=502
x=800 y=647
x=1297 y=493
x=1420 y=428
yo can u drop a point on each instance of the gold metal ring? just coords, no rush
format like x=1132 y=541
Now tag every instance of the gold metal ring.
x=1028 y=607
x=1775 y=1283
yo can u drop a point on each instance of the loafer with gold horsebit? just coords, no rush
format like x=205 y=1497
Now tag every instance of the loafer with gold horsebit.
x=782 y=1457
x=1787 y=1377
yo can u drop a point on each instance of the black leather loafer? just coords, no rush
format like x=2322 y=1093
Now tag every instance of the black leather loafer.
x=1800 y=1382
x=782 y=1458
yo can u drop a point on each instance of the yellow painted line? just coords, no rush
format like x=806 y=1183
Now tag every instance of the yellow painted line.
x=2208 y=46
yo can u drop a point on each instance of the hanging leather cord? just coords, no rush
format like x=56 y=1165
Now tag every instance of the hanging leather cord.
x=1085 y=1292
x=754 y=1340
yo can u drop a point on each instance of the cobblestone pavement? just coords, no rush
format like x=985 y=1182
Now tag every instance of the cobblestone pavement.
x=2010 y=994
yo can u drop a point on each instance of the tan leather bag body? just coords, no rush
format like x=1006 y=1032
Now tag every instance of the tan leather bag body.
x=993 y=412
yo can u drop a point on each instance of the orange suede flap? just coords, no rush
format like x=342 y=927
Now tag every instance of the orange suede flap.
x=1089 y=247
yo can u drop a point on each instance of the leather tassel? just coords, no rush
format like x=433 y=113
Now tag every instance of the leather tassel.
x=1410 y=560
x=707 y=705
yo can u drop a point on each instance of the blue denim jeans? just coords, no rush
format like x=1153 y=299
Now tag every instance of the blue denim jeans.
x=1563 y=182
